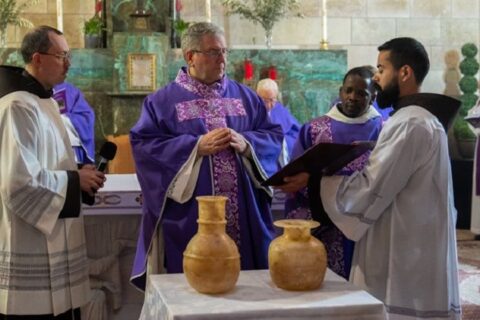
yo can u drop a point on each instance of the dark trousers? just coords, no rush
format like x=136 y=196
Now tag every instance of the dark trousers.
x=69 y=315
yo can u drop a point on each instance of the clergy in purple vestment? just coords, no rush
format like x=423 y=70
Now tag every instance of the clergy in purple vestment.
x=79 y=119
x=352 y=119
x=384 y=111
x=203 y=134
x=267 y=89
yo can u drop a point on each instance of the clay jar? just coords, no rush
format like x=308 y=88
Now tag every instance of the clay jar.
x=211 y=261
x=297 y=261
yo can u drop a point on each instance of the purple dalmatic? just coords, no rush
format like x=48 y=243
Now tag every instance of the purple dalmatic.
x=290 y=126
x=164 y=141
x=333 y=127
x=79 y=120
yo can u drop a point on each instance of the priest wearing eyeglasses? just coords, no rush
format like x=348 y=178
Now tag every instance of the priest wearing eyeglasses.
x=43 y=261
x=203 y=134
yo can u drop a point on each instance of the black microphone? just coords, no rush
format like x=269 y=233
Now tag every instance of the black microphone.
x=107 y=153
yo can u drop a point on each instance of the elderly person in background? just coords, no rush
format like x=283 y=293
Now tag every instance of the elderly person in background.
x=203 y=134
x=267 y=89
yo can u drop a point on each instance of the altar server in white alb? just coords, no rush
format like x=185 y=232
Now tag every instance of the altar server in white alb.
x=43 y=264
x=399 y=209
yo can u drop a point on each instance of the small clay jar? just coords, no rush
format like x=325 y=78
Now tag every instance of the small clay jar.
x=297 y=260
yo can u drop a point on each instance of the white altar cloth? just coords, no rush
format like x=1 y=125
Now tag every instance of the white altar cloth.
x=169 y=297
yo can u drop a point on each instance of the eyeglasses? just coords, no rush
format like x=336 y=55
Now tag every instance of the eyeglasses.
x=65 y=56
x=214 y=53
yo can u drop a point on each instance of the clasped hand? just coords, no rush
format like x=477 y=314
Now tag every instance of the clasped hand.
x=219 y=139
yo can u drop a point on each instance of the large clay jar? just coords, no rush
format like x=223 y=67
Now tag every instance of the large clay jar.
x=297 y=261
x=211 y=261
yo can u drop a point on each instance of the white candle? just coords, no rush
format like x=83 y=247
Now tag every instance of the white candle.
x=60 y=15
x=174 y=9
x=324 y=20
x=208 y=11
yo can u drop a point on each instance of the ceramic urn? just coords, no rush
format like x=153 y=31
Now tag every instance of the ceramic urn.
x=297 y=260
x=211 y=261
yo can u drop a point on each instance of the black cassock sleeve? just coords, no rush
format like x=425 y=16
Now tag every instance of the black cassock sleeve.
x=72 y=206
x=316 y=207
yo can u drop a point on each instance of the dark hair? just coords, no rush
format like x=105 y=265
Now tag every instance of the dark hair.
x=365 y=72
x=36 y=40
x=408 y=51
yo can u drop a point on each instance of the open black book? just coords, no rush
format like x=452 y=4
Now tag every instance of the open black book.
x=330 y=157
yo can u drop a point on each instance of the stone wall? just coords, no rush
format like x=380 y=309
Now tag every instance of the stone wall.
x=358 y=26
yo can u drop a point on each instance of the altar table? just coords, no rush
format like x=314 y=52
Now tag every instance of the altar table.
x=169 y=297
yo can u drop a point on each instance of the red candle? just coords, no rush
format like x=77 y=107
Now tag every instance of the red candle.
x=272 y=73
x=248 y=69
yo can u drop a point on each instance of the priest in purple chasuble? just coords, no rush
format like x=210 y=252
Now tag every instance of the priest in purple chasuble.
x=352 y=119
x=79 y=119
x=203 y=134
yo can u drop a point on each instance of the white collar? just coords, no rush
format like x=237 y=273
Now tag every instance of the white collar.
x=335 y=114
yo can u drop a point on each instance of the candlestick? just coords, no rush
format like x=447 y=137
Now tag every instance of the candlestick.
x=174 y=10
x=208 y=11
x=324 y=42
x=60 y=15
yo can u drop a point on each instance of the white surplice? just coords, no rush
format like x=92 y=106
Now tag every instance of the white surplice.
x=43 y=265
x=401 y=214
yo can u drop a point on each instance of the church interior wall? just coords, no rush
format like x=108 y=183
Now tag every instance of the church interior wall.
x=358 y=26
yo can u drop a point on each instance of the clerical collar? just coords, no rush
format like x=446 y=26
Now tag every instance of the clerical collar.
x=443 y=107
x=18 y=79
x=336 y=114
x=214 y=90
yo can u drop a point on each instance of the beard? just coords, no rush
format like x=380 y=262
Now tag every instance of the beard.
x=387 y=97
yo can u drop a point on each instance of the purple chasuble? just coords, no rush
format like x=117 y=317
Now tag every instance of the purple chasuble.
x=290 y=126
x=171 y=122
x=73 y=105
x=336 y=128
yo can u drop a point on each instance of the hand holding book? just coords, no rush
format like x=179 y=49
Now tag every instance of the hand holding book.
x=322 y=158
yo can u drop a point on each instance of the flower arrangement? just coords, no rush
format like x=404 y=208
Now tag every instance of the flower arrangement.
x=94 y=25
x=93 y=28
x=264 y=12
x=10 y=13
x=180 y=26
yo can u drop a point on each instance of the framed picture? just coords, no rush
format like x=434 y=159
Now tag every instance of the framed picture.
x=141 y=71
